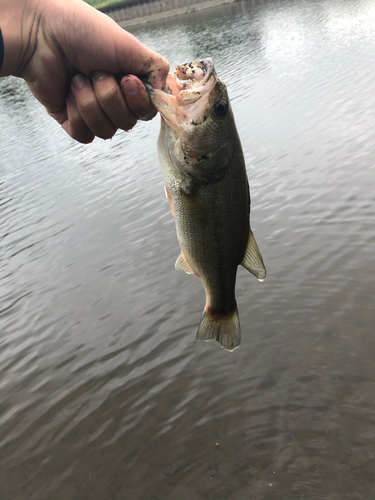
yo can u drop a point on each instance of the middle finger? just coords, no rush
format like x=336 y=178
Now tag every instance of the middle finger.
x=112 y=101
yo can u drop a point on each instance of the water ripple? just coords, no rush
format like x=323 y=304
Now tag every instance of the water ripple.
x=103 y=388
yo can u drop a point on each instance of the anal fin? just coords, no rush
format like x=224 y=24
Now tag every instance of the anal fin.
x=183 y=265
x=252 y=260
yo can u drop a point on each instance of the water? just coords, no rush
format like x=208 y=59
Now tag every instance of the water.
x=104 y=392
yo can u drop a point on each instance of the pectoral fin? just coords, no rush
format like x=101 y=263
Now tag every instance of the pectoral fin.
x=252 y=260
x=169 y=197
x=183 y=265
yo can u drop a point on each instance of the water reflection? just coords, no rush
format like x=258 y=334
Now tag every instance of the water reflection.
x=104 y=392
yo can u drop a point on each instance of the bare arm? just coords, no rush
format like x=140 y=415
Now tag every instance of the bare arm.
x=69 y=54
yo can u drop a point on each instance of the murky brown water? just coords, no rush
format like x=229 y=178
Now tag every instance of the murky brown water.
x=104 y=392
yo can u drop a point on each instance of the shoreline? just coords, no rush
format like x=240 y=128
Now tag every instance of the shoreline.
x=139 y=15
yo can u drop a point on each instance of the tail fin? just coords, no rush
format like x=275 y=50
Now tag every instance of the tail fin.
x=225 y=329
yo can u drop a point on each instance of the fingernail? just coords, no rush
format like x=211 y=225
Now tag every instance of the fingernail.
x=129 y=87
x=71 y=98
x=99 y=75
x=79 y=81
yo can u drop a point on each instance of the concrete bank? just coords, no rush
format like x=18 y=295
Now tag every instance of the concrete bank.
x=137 y=13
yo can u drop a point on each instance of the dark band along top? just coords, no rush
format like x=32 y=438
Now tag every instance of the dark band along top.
x=1 y=50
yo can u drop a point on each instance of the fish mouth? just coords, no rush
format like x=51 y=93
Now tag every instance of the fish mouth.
x=185 y=94
x=191 y=80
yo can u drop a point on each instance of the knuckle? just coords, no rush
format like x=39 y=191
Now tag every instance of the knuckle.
x=106 y=134
x=108 y=93
x=147 y=114
x=84 y=137
x=79 y=130
x=88 y=105
x=86 y=140
x=129 y=123
x=104 y=130
x=75 y=120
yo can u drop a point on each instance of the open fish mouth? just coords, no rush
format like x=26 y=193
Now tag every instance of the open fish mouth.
x=191 y=80
x=185 y=94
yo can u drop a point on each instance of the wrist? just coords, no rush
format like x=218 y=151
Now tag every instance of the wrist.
x=19 y=21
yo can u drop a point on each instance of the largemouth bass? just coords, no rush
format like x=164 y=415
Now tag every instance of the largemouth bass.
x=206 y=185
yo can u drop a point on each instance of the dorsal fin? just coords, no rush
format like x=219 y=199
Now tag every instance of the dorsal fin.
x=252 y=260
x=183 y=265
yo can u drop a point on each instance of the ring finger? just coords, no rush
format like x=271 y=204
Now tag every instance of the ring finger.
x=90 y=109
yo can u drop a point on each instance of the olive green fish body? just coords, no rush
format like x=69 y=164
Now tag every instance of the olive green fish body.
x=212 y=223
x=206 y=183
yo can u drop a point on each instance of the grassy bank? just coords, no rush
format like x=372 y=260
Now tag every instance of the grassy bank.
x=102 y=3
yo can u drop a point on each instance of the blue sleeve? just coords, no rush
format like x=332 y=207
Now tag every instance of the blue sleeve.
x=1 y=50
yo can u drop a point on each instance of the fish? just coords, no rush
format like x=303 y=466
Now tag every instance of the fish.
x=206 y=184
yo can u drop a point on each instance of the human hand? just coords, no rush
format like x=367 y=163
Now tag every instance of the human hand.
x=80 y=65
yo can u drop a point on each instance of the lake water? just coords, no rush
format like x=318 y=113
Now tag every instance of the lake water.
x=104 y=392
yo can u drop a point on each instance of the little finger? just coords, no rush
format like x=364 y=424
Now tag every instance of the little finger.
x=74 y=124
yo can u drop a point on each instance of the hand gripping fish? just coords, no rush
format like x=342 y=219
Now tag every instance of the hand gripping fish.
x=208 y=192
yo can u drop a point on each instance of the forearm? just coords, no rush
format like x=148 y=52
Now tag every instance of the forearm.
x=19 y=24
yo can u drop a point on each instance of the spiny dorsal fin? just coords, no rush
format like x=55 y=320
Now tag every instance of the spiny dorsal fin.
x=183 y=265
x=252 y=260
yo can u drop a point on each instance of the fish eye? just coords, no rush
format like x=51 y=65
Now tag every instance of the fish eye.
x=221 y=108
